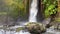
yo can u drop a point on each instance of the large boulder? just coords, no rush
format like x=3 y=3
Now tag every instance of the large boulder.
x=35 y=28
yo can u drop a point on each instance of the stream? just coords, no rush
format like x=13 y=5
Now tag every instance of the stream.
x=48 y=31
x=32 y=18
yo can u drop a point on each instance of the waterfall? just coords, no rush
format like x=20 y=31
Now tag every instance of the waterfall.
x=33 y=11
x=32 y=18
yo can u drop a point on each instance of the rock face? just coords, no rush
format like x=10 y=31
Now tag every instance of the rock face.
x=35 y=28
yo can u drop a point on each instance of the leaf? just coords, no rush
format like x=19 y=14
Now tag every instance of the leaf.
x=51 y=7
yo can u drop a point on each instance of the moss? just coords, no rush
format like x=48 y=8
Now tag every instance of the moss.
x=19 y=28
x=34 y=27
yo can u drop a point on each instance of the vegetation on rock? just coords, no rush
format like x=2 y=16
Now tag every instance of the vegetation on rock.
x=19 y=28
x=34 y=27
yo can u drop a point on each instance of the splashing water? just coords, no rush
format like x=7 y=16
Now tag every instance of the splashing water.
x=33 y=11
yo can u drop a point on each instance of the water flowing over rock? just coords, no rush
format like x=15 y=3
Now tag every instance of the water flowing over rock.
x=33 y=11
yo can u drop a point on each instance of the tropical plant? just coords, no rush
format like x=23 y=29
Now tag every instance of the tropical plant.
x=50 y=7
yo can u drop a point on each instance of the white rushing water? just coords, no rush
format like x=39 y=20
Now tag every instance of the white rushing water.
x=33 y=11
x=13 y=32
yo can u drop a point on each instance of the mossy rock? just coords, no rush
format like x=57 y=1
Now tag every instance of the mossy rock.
x=19 y=29
x=34 y=27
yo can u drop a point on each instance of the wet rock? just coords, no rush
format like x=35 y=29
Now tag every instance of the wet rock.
x=56 y=26
x=59 y=27
x=35 y=28
x=19 y=29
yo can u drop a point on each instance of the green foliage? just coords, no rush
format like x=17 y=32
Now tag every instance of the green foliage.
x=19 y=3
x=16 y=8
x=14 y=13
x=50 y=7
x=3 y=13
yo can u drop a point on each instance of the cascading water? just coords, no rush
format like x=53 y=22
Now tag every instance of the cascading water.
x=33 y=11
x=32 y=18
